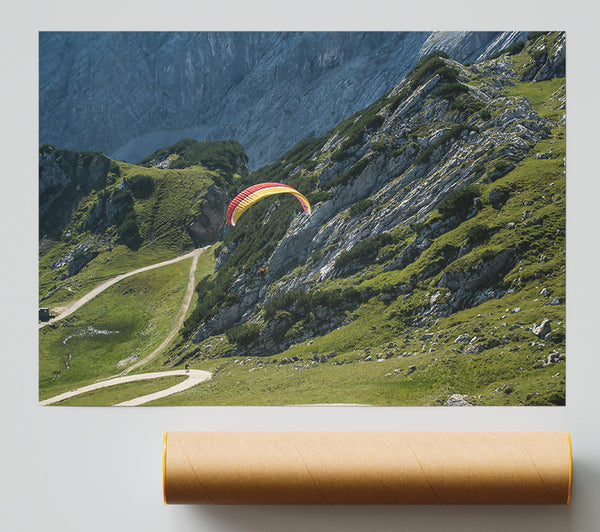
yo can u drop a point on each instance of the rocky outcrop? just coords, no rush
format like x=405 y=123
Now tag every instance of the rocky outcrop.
x=470 y=46
x=547 y=65
x=79 y=261
x=109 y=209
x=128 y=93
x=543 y=329
x=457 y=400
x=65 y=177
x=206 y=225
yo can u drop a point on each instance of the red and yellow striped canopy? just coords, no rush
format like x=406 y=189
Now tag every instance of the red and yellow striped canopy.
x=252 y=194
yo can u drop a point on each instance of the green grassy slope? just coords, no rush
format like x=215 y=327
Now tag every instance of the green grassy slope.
x=129 y=319
x=158 y=207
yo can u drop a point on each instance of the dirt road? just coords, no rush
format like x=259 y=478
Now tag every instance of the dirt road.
x=195 y=376
x=100 y=288
x=179 y=319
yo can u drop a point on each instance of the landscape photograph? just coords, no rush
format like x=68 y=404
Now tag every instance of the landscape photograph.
x=302 y=218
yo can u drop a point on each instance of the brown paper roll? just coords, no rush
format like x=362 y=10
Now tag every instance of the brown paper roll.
x=367 y=467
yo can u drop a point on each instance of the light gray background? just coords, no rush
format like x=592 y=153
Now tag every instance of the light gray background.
x=92 y=469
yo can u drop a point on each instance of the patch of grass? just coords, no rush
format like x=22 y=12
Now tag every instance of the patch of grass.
x=130 y=318
x=539 y=95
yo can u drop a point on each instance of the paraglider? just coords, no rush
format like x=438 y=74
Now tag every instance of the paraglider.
x=252 y=194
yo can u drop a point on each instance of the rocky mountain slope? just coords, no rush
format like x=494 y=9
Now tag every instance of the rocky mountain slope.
x=103 y=216
x=129 y=93
x=438 y=221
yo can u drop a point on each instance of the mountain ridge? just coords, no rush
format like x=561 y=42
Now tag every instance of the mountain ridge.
x=122 y=93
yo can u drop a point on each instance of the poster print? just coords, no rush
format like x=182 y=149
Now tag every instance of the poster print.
x=302 y=218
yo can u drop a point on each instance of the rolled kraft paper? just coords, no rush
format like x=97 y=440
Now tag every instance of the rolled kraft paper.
x=367 y=467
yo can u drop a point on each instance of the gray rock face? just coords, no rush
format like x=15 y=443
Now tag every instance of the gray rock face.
x=470 y=46
x=400 y=193
x=105 y=212
x=130 y=93
x=80 y=261
x=64 y=178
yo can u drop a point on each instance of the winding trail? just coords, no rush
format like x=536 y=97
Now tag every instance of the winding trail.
x=195 y=376
x=179 y=319
x=66 y=311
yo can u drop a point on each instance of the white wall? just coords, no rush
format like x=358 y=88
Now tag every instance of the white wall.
x=92 y=469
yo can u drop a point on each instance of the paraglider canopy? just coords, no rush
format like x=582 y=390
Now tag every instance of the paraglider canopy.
x=252 y=194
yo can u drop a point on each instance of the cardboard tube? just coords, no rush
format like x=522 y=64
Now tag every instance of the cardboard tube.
x=367 y=467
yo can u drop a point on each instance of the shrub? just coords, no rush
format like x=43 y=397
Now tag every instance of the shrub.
x=459 y=202
x=466 y=103
x=374 y=121
x=351 y=294
x=339 y=155
x=449 y=90
x=395 y=102
x=141 y=186
x=285 y=301
x=447 y=73
x=349 y=175
x=364 y=249
x=379 y=146
x=129 y=231
x=534 y=35
x=360 y=206
x=119 y=196
x=319 y=195
x=515 y=48
x=485 y=115
x=225 y=155
x=114 y=168
x=354 y=137
x=537 y=55
x=477 y=233
x=243 y=334
x=435 y=53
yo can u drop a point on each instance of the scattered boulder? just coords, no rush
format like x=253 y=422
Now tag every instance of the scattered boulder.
x=542 y=329
x=554 y=357
x=462 y=338
x=457 y=400
x=79 y=261
x=475 y=349
x=498 y=197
